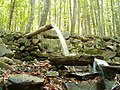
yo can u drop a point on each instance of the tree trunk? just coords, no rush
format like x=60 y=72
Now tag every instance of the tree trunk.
x=60 y=14
x=12 y=6
x=73 y=18
x=102 y=20
x=118 y=31
x=64 y=24
x=55 y=16
x=113 y=16
x=30 y=21
x=45 y=12
x=38 y=12
x=109 y=31
x=99 y=18
x=50 y=14
x=79 y=18
x=92 y=16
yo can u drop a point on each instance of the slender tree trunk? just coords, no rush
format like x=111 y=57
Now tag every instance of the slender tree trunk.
x=38 y=12
x=64 y=14
x=15 y=18
x=60 y=14
x=102 y=20
x=55 y=13
x=73 y=20
x=12 y=6
x=30 y=21
x=92 y=17
x=49 y=14
x=84 y=18
x=68 y=15
x=45 y=12
x=96 y=20
x=118 y=31
x=88 y=18
x=109 y=31
x=99 y=18
x=113 y=17
x=79 y=28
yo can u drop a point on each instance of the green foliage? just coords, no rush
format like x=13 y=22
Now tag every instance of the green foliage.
x=90 y=20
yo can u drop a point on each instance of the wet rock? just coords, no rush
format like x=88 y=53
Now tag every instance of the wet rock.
x=80 y=86
x=25 y=82
x=83 y=76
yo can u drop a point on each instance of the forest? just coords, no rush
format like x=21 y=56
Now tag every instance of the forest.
x=59 y=44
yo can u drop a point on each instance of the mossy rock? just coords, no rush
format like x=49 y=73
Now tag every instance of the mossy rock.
x=9 y=37
x=118 y=51
x=93 y=51
x=108 y=54
x=27 y=42
x=106 y=38
x=13 y=47
x=28 y=58
x=116 y=59
x=100 y=43
x=5 y=51
x=21 y=41
x=36 y=53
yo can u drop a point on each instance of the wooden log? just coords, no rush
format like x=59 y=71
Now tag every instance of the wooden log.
x=82 y=60
x=41 y=29
x=112 y=69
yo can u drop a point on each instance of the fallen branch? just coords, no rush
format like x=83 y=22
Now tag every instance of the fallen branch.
x=41 y=29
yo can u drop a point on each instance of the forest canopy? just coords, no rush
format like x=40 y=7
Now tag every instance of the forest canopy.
x=83 y=17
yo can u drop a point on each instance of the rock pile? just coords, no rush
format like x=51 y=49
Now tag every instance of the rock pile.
x=108 y=47
x=41 y=47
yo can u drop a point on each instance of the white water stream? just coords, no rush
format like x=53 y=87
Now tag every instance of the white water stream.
x=98 y=63
x=62 y=40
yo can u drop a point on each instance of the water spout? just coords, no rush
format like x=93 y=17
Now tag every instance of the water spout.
x=62 y=40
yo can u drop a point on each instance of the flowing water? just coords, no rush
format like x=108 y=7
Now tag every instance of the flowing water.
x=62 y=40
x=97 y=64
